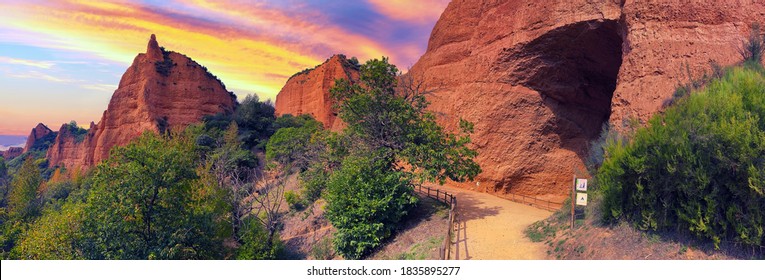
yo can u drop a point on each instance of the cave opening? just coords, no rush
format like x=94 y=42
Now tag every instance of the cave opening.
x=575 y=69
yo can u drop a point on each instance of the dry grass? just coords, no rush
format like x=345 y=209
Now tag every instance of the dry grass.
x=420 y=236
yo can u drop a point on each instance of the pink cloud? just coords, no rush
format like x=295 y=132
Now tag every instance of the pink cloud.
x=412 y=11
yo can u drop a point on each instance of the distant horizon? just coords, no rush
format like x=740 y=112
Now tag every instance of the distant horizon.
x=62 y=60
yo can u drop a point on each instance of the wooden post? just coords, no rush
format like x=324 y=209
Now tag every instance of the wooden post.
x=573 y=202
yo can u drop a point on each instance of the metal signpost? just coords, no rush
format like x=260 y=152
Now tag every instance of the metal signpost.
x=578 y=198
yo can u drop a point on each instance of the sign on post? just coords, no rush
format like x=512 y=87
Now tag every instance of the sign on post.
x=581 y=199
x=581 y=185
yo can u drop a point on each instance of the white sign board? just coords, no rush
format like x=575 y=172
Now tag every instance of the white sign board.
x=581 y=185
x=581 y=199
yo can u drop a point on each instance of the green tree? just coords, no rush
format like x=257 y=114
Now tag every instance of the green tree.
x=386 y=112
x=3 y=183
x=255 y=120
x=22 y=199
x=291 y=145
x=302 y=144
x=392 y=142
x=145 y=203
x=55 y=236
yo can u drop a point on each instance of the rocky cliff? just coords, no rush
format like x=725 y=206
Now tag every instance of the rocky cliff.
x=307 y=92
x=160 y=91
x=37 y=133
x=11 y=153
x=540 y=78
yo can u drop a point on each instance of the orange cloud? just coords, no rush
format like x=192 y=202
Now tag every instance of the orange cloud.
x=411 y=11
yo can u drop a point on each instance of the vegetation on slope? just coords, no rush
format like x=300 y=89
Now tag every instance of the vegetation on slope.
x=697 y=168
x=366 y=173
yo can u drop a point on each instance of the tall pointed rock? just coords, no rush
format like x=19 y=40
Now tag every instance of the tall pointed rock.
x=160 y=91
x=153 y=52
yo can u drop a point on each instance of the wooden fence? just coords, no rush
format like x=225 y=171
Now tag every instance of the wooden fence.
x=533 y=201
x=451 y=200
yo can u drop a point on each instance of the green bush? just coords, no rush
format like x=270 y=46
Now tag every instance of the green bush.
x=292 y=199
x=256 y=244
x=697 y=168
x=164 y=66
x=322 y=250
x=366 y=201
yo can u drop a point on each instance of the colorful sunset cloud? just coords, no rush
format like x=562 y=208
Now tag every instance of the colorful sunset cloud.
x=73 y=51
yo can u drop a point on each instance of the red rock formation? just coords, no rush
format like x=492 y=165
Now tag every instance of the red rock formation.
x=38 y=132
x=161 y=90
x=539 y=78
x=11 y=153
x=307 y=92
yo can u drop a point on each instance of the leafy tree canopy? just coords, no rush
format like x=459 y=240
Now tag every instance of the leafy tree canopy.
x=255 y=120
x=146 y=204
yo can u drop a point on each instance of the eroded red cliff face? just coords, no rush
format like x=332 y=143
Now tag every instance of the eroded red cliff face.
x=308 y=92
x=161 y=90
x=540 y=78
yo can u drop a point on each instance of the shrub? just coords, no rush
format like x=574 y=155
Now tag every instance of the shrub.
x=366 y=202
x=698 y=168
x=256 y=244
x=753 y=48
x=75 y=131
x=322 y=250
x=164 y=66
x=292 y=199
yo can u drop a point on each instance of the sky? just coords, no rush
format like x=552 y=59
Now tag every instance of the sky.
x=61 y=60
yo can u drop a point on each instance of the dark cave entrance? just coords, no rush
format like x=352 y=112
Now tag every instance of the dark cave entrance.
x=574 y=68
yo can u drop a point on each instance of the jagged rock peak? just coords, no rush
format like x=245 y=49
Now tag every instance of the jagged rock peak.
x=160 y=91
x=38 y=132
x=153 y=52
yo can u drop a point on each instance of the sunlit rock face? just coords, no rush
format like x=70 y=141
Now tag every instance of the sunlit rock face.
x=307 y=92
x=160 y=91
x=540 y=78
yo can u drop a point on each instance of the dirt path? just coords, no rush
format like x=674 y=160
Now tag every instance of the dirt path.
x=491 y=228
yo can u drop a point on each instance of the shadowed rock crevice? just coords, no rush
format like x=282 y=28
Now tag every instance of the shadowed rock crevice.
x=574 y=68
